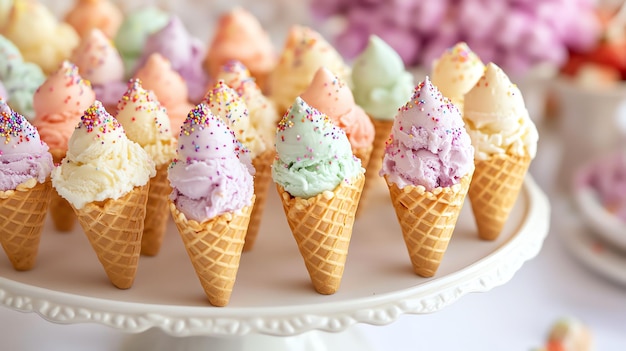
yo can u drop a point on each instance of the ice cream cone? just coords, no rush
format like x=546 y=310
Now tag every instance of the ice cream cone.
x=262 y=179
x=156 y=213
x=322 y=227
x=383 y=130
x=215 y=247
x=114 y=228
x=428 y=220
x=496 y=184
x=61 y=211
x=22 y=214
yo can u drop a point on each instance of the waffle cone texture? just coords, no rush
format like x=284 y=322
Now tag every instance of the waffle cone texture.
x=322 y=227
x=262 y=180
x=22 y=214
x=214 y=248
x=61 y=212
x=428 y=219
x=114 y=228
x=157 y=214
x=494 y=189
x=382 y=130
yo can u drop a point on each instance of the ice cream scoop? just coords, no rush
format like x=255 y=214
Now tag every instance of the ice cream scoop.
x=330 y=95
x=207 y=176
x=225 y=103
x=239 y=36
x=313 y=154
x=40 y=36
x=305 y=51
x=90 y=14
x=496 y=116
x=146 y=122
x=263 y=114
x=184 y=52
x=22 y=153
x=59 y=103
x=381 y=83
x=169 y=87
x=429 y=144
x=101 y=162
x=99 y=62
x=456 y=72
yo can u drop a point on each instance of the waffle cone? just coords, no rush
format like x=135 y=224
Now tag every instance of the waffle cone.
x=214 y=248
x=156 y=213
x=382 y=130
x=262 y=179
x=428 y=220
x=494 y=190
x=322 y=227
x=61 y=211
x=114 y=228
x=23 y=214
x=363 y=154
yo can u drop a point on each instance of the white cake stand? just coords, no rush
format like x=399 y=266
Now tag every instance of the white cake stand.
x=273 y=306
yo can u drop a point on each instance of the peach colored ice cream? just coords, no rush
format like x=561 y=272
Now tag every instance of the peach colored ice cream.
x=240 y=37
x=59 y=103
x=169 y=87
x=91 y=14
x=330 y=95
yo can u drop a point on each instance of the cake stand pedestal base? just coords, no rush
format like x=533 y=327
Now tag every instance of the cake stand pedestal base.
x=156 y=340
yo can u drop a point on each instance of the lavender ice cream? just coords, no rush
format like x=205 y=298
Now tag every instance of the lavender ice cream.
x=429 y=145
x=23 y=156
x=184 y=52
x=208 y=177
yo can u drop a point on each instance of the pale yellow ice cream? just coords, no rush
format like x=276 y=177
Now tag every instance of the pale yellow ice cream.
x=146 y=122
x=40 y=36
x=101 y=162
x=497 y=119
x=304 y=53
x=225 y=103
x=456 y=72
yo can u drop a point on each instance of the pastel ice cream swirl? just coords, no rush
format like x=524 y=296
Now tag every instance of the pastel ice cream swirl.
x=456 y=72
x=225 y=103
x=59 y=104
x=313 y=154
x=146 y=122
x=208 y=178
x=87 y=15
x=99 y=62
x=429 y=145
x=23 y=156
x=381 y=83
x=497 y=118
x=331 y=96
x=101 y=162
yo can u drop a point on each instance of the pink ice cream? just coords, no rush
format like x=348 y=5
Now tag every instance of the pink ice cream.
x=331 y=96
x=169 y=87
x=59 y=104
x=23 y=155
x=607 y=176
x=208 y=177
x=184 y=52
x=99 y=62
x=429 y=144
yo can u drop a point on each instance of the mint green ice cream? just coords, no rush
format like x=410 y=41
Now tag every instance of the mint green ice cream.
x=381 y=83
x=313 y=155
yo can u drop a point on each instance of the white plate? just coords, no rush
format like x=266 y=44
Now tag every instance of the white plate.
x=594 y=253
x=273 y=294
x=603 y=223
